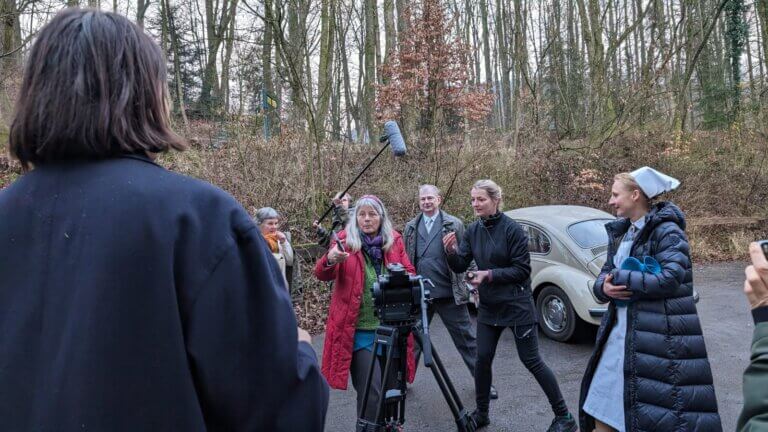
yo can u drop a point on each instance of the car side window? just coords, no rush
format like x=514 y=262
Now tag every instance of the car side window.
x=538 y=241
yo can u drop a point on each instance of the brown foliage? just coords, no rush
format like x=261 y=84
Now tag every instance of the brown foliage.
x=722 y=174
x=429 y=73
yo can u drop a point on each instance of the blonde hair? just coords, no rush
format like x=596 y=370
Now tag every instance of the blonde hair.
x=630 y=183
x=354 y=242
x=492 y=189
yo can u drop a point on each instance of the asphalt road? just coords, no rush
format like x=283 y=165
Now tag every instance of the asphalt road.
x=522 y=405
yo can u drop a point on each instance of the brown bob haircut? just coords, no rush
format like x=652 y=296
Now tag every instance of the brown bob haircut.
x=94 y=86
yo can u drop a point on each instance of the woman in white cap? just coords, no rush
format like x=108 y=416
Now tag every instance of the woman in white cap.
x=649 y=370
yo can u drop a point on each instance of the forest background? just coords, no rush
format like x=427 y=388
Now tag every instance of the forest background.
x=549 y=98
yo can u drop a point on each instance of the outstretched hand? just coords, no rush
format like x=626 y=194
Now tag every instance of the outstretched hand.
x=335 y=256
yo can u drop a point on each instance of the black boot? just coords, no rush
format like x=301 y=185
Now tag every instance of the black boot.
x=564 y=423
x=481 y=418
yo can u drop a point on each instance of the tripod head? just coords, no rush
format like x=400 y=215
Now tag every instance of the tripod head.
x=400 y=300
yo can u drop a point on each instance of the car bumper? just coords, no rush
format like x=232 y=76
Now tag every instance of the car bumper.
x=597 y=312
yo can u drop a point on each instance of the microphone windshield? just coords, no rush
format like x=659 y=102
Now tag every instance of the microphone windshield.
x=392 y=133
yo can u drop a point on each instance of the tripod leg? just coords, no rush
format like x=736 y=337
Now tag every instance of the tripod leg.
x=367 y=388
x=448 y=383
x=460 y=415
x=387 y=364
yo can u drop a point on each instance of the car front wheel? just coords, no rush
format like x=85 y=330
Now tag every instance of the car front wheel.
x=557 y=318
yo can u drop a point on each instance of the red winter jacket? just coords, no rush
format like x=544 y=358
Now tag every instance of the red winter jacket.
x=349 y=278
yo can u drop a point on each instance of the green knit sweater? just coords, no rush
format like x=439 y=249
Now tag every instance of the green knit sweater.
x=366 y=319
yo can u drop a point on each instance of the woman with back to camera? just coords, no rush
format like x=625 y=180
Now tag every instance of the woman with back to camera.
x=133 y=298
x=369 y=244
x=500 y=248
x=649 y=369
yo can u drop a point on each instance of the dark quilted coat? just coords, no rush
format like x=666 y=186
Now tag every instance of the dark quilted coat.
x=667 y=379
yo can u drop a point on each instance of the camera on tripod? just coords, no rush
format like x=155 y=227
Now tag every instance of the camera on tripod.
x=400 y=303
x=399 y=298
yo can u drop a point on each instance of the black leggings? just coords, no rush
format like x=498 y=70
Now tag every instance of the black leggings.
x=527 y=342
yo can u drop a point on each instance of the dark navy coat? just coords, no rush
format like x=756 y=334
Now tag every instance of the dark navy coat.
x=136 y=299
x=667 y=377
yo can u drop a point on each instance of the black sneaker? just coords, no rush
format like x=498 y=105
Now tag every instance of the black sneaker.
x=493 y=393
x=564 y=423
x=480 y=418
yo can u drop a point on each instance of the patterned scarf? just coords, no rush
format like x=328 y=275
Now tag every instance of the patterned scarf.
x=372 y=246
x=272 y=242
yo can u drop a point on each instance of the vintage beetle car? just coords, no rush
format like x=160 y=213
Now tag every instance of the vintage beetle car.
x=568 y=246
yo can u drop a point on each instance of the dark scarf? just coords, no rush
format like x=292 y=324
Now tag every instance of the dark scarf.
x=372 y=247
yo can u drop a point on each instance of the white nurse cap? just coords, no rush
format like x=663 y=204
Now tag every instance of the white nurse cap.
x=654 y=183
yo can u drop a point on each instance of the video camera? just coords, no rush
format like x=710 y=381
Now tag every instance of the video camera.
x=400 y=301
x=399 y=298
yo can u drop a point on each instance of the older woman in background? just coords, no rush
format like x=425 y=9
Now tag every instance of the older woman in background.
x=268 y=221
x=369 y=244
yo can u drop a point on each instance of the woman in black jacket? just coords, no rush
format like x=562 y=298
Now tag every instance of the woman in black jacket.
x=649 y=370
x=500 y=248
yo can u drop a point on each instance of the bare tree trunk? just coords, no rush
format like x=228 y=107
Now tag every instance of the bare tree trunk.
x=681 y=106
x=504 y=63
x=750 y=71
x=10 y=63
x=520 y=62
x=216 y=27
x=325 y=74
x=370 y=81
x=224 y=93
x=266 y=48
x=475 y=42
x=377 y=39
x=761 y=32
x=761 y=7
x=350 y=106
x=389 y=28
x=174 y=39
x=141 y=11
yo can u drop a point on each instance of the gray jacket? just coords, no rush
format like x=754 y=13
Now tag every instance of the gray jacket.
x=450 y=224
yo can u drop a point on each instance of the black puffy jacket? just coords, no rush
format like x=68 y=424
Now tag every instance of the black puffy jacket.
x=667 y=378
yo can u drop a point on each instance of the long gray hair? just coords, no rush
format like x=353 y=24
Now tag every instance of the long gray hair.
x=354 y=242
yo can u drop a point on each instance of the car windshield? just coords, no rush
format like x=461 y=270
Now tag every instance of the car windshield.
x=590 y=233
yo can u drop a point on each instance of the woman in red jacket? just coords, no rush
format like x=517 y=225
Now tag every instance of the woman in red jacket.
x=370 y=244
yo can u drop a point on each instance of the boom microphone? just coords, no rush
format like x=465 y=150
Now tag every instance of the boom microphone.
x=395 y=138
